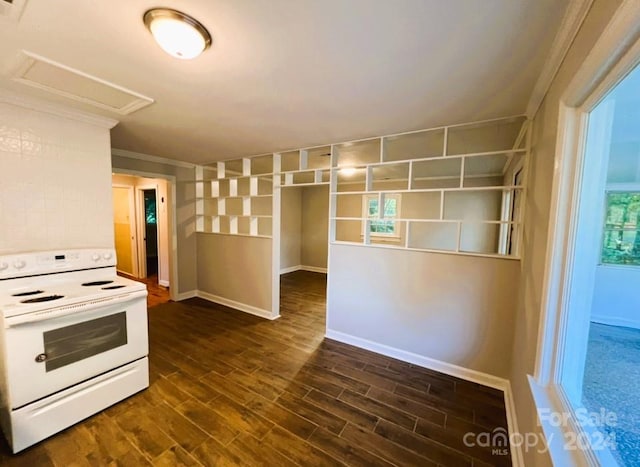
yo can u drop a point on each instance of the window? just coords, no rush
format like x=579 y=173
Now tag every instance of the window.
x=621 y=239
x=384 y=225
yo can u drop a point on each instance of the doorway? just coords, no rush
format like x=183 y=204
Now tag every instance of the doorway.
x=147 y=252
x=304 y=227
x=150 y=228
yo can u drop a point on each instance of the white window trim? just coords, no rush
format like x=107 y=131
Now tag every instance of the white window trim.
x=365 y=215
x=616 y=53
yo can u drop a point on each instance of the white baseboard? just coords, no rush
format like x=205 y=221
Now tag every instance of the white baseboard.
x=237 y=305
x=517 y=458
x=313 y=269
x=163 y=283
x=301 y=267
x=615 y=321
x=446 y=368
x=186 y=295
x=289 y=269
x=420 y=360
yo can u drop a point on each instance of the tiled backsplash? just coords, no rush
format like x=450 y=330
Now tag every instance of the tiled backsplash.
x=55 y=182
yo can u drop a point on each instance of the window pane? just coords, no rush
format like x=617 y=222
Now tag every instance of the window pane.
x=387 y=227
x=390 y=207
x=373 y=207
x=621 y=242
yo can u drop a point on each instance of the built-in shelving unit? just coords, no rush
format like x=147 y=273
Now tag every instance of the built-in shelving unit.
x=235 y=197
x=306 y=167
x=455 y=189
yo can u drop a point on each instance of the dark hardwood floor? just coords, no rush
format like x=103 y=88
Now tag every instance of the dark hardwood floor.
x=156 y=294
x=228 y=388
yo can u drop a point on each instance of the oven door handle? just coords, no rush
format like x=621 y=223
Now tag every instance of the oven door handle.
x=72 y=309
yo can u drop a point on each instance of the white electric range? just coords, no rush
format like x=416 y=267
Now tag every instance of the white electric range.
x=73 y=340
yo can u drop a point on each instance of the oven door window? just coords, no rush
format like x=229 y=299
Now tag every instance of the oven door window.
x=76 y=342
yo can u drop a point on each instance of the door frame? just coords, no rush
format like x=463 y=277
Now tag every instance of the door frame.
x=614 y=55
x=132 y=226
x=172 y=223
x=141 y=226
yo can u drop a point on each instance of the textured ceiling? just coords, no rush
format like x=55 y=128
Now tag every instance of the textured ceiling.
x=284 y=74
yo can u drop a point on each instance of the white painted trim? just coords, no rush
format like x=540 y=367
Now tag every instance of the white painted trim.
x=313 y=269
x=545 y=398
x=141 y=225
x=420 y=360
x=572 y=20
x=163 y=283
x=615 y=54
x=237 y=305
x=28 y=102
x=276 y=226
x=302 y=267
x=186 y=295
x=290 y=269
x=615 y=321
x=150 y=158
x=517 y=457
x=28 y=59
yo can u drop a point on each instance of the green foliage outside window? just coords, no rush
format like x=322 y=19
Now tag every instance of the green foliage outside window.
x=621 y=242
x=382 y=226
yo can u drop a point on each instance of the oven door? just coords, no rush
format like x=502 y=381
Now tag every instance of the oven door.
x=50 y=351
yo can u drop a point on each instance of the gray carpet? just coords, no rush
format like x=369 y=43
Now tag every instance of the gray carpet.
x=612 y=381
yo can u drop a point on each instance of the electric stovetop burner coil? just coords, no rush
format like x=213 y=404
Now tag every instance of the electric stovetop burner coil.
x=46 y=298
x=96 y=283
x=26 y=294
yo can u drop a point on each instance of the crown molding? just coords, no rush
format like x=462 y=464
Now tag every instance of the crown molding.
x=571 y=22
x=614 y=55
x=39 y=105
x=149 y=158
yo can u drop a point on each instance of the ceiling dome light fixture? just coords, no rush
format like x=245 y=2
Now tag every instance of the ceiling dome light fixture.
x=178 y=34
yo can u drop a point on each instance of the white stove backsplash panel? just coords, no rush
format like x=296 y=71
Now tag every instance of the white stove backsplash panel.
x=55 y=182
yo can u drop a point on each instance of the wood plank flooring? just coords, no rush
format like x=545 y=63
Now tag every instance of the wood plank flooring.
x=228 y=388
x=156 y=293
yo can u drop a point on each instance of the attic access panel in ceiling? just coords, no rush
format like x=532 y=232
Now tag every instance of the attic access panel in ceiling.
x=61 y=80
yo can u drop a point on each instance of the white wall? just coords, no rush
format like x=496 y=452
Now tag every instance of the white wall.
x=55 y=182
x=237 y=269
x=615 y=297
x=315 y=227
x=452 y=308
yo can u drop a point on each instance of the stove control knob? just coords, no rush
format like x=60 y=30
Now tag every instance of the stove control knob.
x=3 y=266
x=19 y=264
x=95 y=257
x=107 y=256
